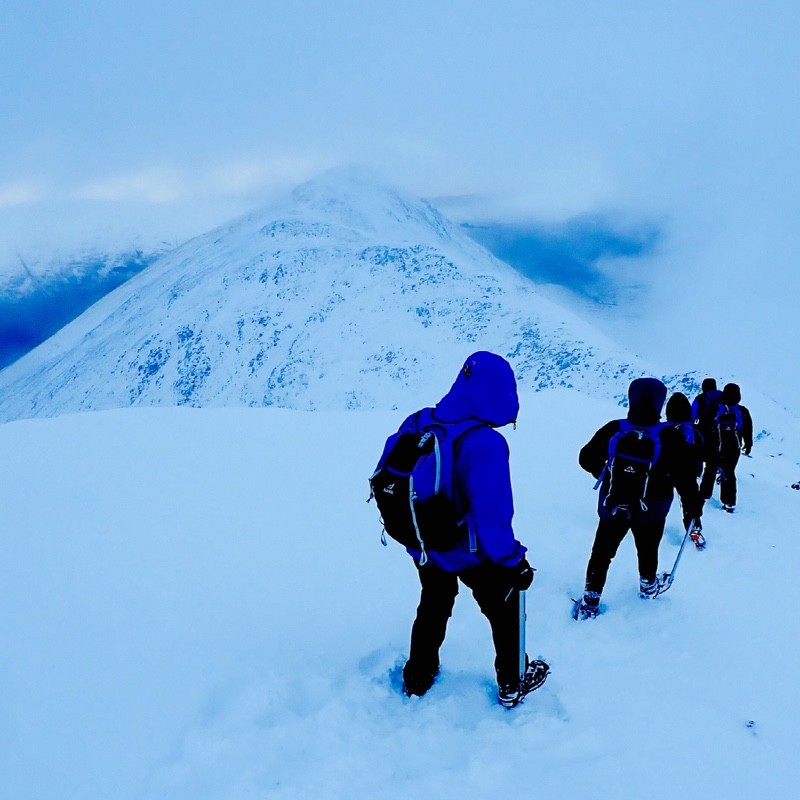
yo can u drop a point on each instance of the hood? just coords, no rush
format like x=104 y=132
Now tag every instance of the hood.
x=731 y=394
x=485 y=389
x=645 y=400
x=708 y=384
x=679 y=409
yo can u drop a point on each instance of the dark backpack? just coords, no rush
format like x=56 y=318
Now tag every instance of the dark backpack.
x=707 y=405
x=632 y=453
x=413 y=486
x=687 y=430
x=729 y=427
x=694 y=441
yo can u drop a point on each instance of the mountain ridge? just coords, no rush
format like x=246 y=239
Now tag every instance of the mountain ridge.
x=351 y=294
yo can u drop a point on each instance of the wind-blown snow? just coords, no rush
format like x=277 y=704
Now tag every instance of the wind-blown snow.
x=196 y=604
x=350 y=295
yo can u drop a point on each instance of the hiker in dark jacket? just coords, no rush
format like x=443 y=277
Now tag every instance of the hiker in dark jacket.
x=489 y=559
x=679 y=414
x=733 y=440
x=704 y=416
x=672 y=469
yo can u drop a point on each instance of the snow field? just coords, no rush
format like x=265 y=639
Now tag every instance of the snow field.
x=195 y=604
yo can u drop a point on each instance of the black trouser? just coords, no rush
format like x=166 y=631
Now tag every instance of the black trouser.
x=711 y=458
x=726 y=462
x=709 y=476
x=490 y=584
x=728 y=459
x=647 y=535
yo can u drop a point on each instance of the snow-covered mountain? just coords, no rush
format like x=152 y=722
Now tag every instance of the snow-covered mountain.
x=348 y=295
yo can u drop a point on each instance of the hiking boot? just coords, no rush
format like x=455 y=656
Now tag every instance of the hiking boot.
x=728 y=507
x=696 y=535
x=510 y=695
x=649 y=590
x=588 y=607
x=417 y=683
x=698 y=539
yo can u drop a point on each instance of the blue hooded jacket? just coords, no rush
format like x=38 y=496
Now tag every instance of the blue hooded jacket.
x=486 y=391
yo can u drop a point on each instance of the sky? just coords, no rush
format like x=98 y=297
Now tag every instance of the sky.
x=551 y=107
x=151 y=120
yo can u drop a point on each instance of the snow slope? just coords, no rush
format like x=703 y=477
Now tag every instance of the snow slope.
x=195 y=604
x=349 y=295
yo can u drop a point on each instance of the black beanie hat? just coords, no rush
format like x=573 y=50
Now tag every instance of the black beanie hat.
x=679 y=409
x=709 y=384
x=731 y=394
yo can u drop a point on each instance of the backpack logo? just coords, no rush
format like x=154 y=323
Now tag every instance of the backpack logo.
x=389 y=489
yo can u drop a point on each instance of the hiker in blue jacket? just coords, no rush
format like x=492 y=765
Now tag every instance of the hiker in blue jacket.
x=673 y=469
x=488 y=558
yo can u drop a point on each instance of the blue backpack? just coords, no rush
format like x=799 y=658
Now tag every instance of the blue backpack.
x=413 y=485
x=632 y=453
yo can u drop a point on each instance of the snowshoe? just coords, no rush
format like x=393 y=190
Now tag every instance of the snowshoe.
x=649 y=590
x=535 y=675
x=588 y=607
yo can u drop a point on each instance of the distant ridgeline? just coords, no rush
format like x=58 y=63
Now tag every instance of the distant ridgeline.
x=566 y=254
x=33 y=308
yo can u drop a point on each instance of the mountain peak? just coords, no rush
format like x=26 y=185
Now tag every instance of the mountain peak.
x=360 y=198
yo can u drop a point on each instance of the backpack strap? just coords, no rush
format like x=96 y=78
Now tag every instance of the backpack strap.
x=452 y=435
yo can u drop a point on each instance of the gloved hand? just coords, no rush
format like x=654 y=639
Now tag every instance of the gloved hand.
x=523 y=575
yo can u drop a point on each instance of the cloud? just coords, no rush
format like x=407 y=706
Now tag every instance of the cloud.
x=233 y=178
x=19 y=194
x=247 y=176
x=160 y=185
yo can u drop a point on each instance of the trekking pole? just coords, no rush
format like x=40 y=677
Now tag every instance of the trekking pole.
x=669 y=577
x=522 y=617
